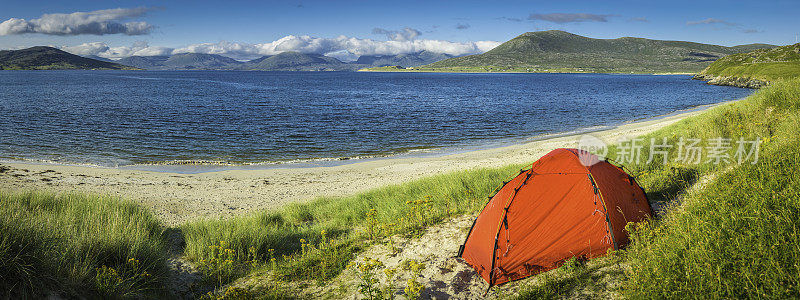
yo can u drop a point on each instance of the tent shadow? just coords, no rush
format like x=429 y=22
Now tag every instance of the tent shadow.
x=665 y=193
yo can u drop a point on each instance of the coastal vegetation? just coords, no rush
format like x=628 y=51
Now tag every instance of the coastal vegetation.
x=756 y=68
x=729 y=230
x=735 y=237
x=79 y=245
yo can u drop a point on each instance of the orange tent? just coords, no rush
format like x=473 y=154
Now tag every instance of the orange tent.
x=568 y=204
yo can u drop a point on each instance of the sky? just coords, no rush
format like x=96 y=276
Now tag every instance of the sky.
x=347 y=29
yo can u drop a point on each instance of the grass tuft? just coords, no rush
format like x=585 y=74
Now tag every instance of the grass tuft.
x=77 y=245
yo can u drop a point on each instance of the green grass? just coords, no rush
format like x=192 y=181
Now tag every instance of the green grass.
x=295 y=234
x=738 y=238
x=768 y=71
x=78 y=245
x=780 y=63
x=574 y=279
x=735 y=238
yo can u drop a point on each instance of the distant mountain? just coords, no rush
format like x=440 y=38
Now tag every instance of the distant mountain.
x=258 y=60
x=144 y=62
x=286 y=61
x=756 y=68
x=403 y=60
x=296 y=61
x=48 y=58
x=559 y=51
x=183 y=61
x=95 y=57
x=200 y=61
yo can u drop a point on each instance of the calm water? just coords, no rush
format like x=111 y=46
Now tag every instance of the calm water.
x=120 y=117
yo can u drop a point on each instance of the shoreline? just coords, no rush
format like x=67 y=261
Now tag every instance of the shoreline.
x=179 y=197
x=205 y=166
x=518 y=72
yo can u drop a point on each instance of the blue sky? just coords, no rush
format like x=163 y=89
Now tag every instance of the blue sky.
x=248 y=29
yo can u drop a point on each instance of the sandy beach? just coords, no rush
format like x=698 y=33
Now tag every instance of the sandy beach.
x=176 y=198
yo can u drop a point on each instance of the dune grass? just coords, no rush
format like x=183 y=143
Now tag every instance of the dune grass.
x=78 y=245
x=737 y=236
x=316 y=240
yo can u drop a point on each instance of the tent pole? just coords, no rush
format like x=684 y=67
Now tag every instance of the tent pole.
x=605 y=208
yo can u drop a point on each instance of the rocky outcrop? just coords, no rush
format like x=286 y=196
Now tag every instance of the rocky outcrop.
x=732 y=81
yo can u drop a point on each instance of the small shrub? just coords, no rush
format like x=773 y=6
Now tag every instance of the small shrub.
x=413 y=288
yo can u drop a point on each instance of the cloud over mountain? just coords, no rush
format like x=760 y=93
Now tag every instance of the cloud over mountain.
x=101 y=49
x=306 y=44
x=98 y=22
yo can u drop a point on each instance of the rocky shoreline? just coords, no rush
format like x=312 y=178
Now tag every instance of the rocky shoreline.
x=732 y=81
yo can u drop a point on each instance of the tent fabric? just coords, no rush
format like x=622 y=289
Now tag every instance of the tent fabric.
x=568 y=204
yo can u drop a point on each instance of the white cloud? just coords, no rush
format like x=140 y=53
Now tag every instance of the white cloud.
x=87 y=48
x=97 y=22
x=103 y=50
x=340 y=47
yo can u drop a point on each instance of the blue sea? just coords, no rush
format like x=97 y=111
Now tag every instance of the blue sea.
x=118 y=118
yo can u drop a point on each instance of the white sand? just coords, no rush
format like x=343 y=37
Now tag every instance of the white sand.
x=176 y=198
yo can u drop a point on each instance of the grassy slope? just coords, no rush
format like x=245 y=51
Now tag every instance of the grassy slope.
x=558 y=51
x=764 y=64
x=62 y=243
x=737 y=236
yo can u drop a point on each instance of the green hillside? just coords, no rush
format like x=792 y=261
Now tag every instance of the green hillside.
x=48 y=58
x=559 y=51
x=763 y=65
